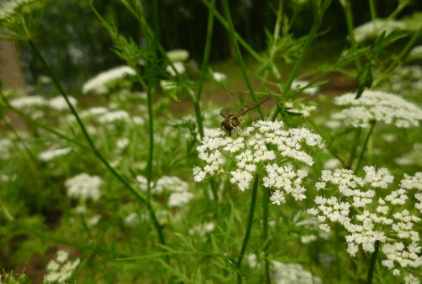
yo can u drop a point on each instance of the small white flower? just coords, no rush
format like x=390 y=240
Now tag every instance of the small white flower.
x=99 y=84
x=59 y=103
x=219 y=77
x=52 y=154
x=176 y=69
x=178 y=55
x=84 y=187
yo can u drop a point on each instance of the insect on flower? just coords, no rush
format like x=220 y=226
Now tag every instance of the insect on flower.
x=232 y=120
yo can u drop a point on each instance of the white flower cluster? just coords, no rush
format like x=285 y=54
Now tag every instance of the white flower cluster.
x=415 y=53
x=100 y=83
x=28 y=102
x=376 y=106
x=59 y=103
x=304 y=87
x=177 y=189
x=51 y=154
x=264 y=145
x=176 y=68
x=10 y=7
x=218 y=76
x=84 y=187
x=302 y=109
x=370 y=212
x=113 y=116
x=178 y=55
x=405 y=79
x=202 y=229
x=108 y=116
x=36 y=101
x=291 y=273
x=371 y=30
x=60 y=270
x=414 y=157
x=5 y=146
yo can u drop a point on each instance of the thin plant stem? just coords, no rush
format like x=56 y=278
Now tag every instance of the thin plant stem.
x=42 y=126
x=356 y=140
x=9 y=217
x=265 y=234
x=150 y=160
x=373 y=263
x=95 y=150
x=28 y=151
x=295 y=70
x=347 y=7
x=399 y=8
x=365 y=146
x=204 y=69
x=252 y=205
x=373 y=9
x=239 y=57
x=226 y=25
x=400 y=58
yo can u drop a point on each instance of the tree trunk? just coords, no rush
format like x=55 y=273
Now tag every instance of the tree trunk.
x=11 y=74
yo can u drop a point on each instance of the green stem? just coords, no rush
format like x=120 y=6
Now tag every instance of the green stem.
x=372 y=263
x=399 y=59
x=373 y=9
x=226 y=25
x=239 y=57
x=249 y=224
x=365 y=146
x=356 y=140
x=28 y=151
x=265 y=235
x=347 y=7
x=204 y=69
x=295 y=70
x=150 y=160
x=42 y=126
x=94 y=149
x=9 y=217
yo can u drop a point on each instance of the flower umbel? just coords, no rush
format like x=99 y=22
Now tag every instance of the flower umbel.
x=371 y=210
x=265 y=145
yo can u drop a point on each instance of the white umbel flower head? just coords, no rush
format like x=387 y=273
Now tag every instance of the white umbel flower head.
x=292 y=273
x=373 y=209
x=178 y=55
x=376 y=106
x=60 y=269
x=10 y=8
x=29 y=102
x=176 y=189
x=52 y=154
x=415 y=53
x=219 y=77
x=176 y=68
x=99 y=84
x=371 y=30
x=260 y=146
x=59 y=103
x=84 y=187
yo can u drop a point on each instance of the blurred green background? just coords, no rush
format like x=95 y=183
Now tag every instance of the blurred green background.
x=78 y=47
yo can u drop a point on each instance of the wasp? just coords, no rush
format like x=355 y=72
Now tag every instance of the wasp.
x=232 y=120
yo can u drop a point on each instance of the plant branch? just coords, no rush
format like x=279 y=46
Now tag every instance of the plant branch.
x=94 y=149
x=239 y=57
x=365 y=146
x=249 y=224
